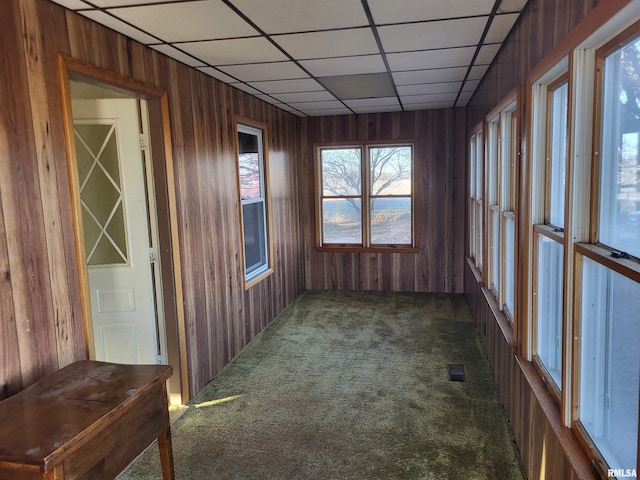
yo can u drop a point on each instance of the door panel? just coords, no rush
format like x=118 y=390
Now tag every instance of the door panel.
x=116 y=229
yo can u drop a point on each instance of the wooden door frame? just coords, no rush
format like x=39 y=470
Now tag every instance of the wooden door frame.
x=160 y=139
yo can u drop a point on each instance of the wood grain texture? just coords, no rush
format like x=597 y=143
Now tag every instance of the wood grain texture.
x=544 y=34
x=37 y=244
x=440 y=168
x=548 y=449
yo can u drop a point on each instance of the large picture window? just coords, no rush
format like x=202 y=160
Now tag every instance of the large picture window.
x=366 y=196
x=254 y=200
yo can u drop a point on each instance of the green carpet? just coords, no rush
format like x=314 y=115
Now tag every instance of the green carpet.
x=349 y=385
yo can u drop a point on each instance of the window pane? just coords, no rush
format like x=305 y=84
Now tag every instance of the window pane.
x=558 y=156
x=391 y=221
x=390 y=169
x=494 y=249
x=610 y=362
x=478 y=223
x=479 y=167
x=255 y=241
x=549 y=306
x=341 y=220
x=619 y=222
x=509 y=264
x=341 y=172
x=249 y=166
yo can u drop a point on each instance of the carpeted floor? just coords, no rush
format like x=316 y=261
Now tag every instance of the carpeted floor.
x=349 y=385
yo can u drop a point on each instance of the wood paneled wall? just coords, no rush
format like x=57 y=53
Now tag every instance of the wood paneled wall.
x=548 y=449
x=440 y=163
x=41 y=325
x=542 y=25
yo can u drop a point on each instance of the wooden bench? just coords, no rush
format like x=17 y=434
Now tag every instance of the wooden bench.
x=87 y=421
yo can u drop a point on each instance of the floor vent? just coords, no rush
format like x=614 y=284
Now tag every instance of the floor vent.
x=456 y=373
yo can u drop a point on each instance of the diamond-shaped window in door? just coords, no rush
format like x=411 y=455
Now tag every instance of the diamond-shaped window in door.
x=101 y=194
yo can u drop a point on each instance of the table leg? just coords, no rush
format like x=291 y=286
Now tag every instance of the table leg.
x=166 y=454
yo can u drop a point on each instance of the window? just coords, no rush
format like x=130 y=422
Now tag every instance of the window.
x=365 y=196
x=502 y=152
x=610 y=363
x=608 y=359
x=494 y=212
x=252 y=178
x=619 y=206
x=549 y=157
x=476 y=186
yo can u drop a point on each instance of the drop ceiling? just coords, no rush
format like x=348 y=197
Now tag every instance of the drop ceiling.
x=325 y=57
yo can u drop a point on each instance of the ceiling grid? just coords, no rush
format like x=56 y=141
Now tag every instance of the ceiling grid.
x=326 y=57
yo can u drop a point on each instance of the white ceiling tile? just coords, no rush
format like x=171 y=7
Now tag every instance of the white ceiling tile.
x=304 y=96
x=287 y=108
x=303 y=15
x=429 y=88
x=265 y=71
x=187 y=21
x=245 y=88
x=326 y=112
x=470 y=85
x=428 y=59
x=487 y=52
x=72 y=4
x=178 y=55
x=334 y=43
x=500 y=27
x=234 y=51
x=430 y=76
x=329 y=67
x=438 y=97
x=397 y=11
x=383 y=108
x=212 y=72
x=512 y=5
x=372 y=102
x=432 y=35
x=461 y=103
x=288 y=86
x=118 y=26
x=305 y=106
x=269 y=99
x=478 y=72
x=120 y=3
x=428 y=106
x=464 y=96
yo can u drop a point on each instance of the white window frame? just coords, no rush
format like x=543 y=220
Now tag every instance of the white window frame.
x=258 y=271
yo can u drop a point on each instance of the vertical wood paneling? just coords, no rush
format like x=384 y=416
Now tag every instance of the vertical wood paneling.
x=439 y=160
x=37 y=243
x=548 y=449
x=23 y=214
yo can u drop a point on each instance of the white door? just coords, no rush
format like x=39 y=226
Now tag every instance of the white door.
x=116 y=230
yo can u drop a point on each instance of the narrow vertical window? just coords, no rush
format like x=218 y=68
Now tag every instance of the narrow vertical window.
x=254 y=200
x=549 y=161
x=557 y=154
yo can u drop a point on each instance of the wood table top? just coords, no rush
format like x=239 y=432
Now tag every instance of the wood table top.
x=58 y=412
